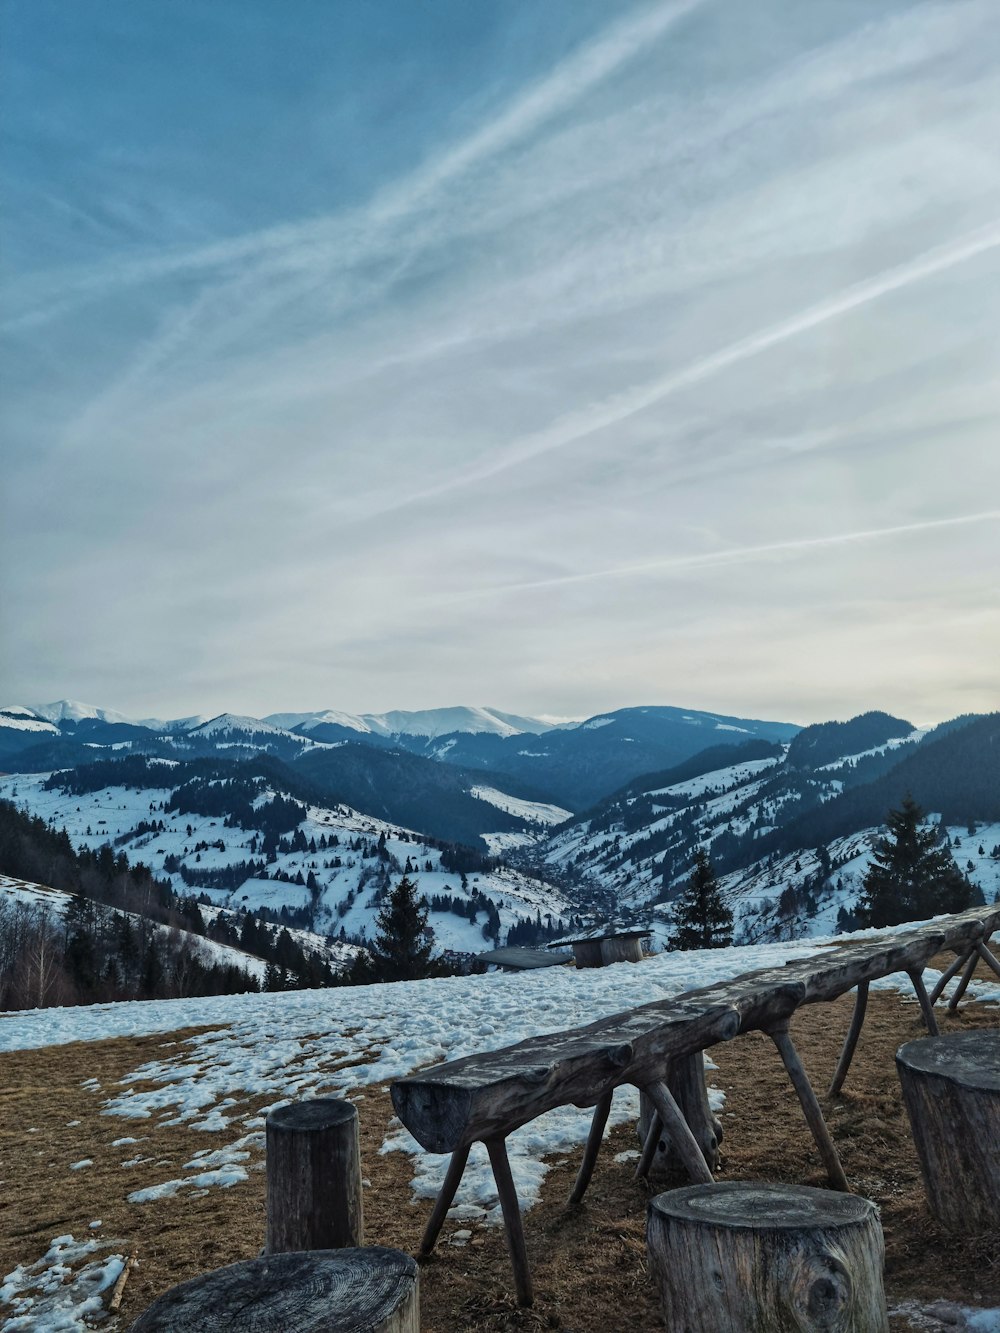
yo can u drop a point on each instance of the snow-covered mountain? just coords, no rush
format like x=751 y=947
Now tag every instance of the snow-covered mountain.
x=790 y=829
x=426 y=722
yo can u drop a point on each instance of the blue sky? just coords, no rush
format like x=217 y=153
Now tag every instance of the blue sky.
x=557 y=357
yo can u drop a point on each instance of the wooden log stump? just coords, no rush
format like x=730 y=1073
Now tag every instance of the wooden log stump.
x=951 y=1088
x=776 y=1258
x=313 y=1177
x=686 y=1081
x=587 y=953
x=372 y=1290
x=621 y=949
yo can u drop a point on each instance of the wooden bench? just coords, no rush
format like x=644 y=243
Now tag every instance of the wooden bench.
x=485 y=1097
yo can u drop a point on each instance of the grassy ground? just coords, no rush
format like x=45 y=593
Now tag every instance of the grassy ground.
x=588 y=1264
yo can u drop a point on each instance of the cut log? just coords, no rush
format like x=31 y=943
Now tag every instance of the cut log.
x=686 y=1081
x=372 y=1290
x=951 y=1088
x=621 y=949
x=313 y=1177
x=587 y=953
x=782 y=1258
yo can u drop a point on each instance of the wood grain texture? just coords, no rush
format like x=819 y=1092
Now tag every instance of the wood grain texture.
x=621 y=949
x=686 y=1081
x=759 y=1258
x=314 y=1193
x=951 y=1089
x=482 y=1096
x=372 y=1290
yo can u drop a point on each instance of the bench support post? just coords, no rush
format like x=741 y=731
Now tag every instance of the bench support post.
x=986 y=954
x=960 y=989
x=672 y=1120
x=926 y=1008
x=851 y=1040
x=446 y=1195
x=649 y=1146
x=511 y=1219
x=961 y=957
x=781 y=1037
x=601 y=1112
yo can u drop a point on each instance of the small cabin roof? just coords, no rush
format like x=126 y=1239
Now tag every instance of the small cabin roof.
x=523 y=960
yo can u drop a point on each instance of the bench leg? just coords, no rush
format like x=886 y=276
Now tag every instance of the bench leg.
x=851 y=1040
x=987 y=955
x=810 y=1105
x=649 y=1147
x=961 y=958
x=511 y=1219
x=452 y=1180
x=601 y=1112
x=677 y=1127
x=962 y=986
x=926 y=1008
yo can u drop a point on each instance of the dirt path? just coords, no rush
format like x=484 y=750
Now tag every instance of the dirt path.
x=589 y=1265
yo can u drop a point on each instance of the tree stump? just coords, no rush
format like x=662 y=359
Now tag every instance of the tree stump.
x=951 y=1088
x=371 y=1290
x=313 y=1177
x=686 y=1080
x=776 y=1258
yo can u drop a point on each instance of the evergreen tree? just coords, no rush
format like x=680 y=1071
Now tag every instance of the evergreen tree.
x=701 y=918
x=912 y=873
x=400 y=951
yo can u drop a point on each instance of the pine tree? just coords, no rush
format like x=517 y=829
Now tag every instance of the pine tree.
x=400 y=951
x=912 y=874
x=701 y=918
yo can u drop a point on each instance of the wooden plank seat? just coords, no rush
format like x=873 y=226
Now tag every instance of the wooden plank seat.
x=485 y=1097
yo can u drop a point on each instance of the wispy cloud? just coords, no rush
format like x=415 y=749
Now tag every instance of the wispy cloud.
x=580 y=424
x=736 y=555
x=708 y=286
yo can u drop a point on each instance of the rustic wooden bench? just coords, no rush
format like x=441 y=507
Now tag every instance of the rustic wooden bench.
x=485 y=1097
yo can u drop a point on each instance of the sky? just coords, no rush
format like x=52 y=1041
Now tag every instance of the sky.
x=554 y=357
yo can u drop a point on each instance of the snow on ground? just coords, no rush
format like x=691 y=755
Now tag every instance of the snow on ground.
x=535 y=812
x=50 y=1297
x=719 y=780
x=336 y=1043
x=55 y=902
x=345 y=872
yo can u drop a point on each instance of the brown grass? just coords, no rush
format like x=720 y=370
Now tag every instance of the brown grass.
x=588 y=1264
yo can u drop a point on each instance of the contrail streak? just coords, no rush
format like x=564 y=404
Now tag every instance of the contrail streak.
x=297 y=245
x=735 y=555
x=578 y=425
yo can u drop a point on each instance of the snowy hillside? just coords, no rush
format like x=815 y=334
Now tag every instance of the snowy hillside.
x=790 y=844
x=325 y=873
x=39 y=898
